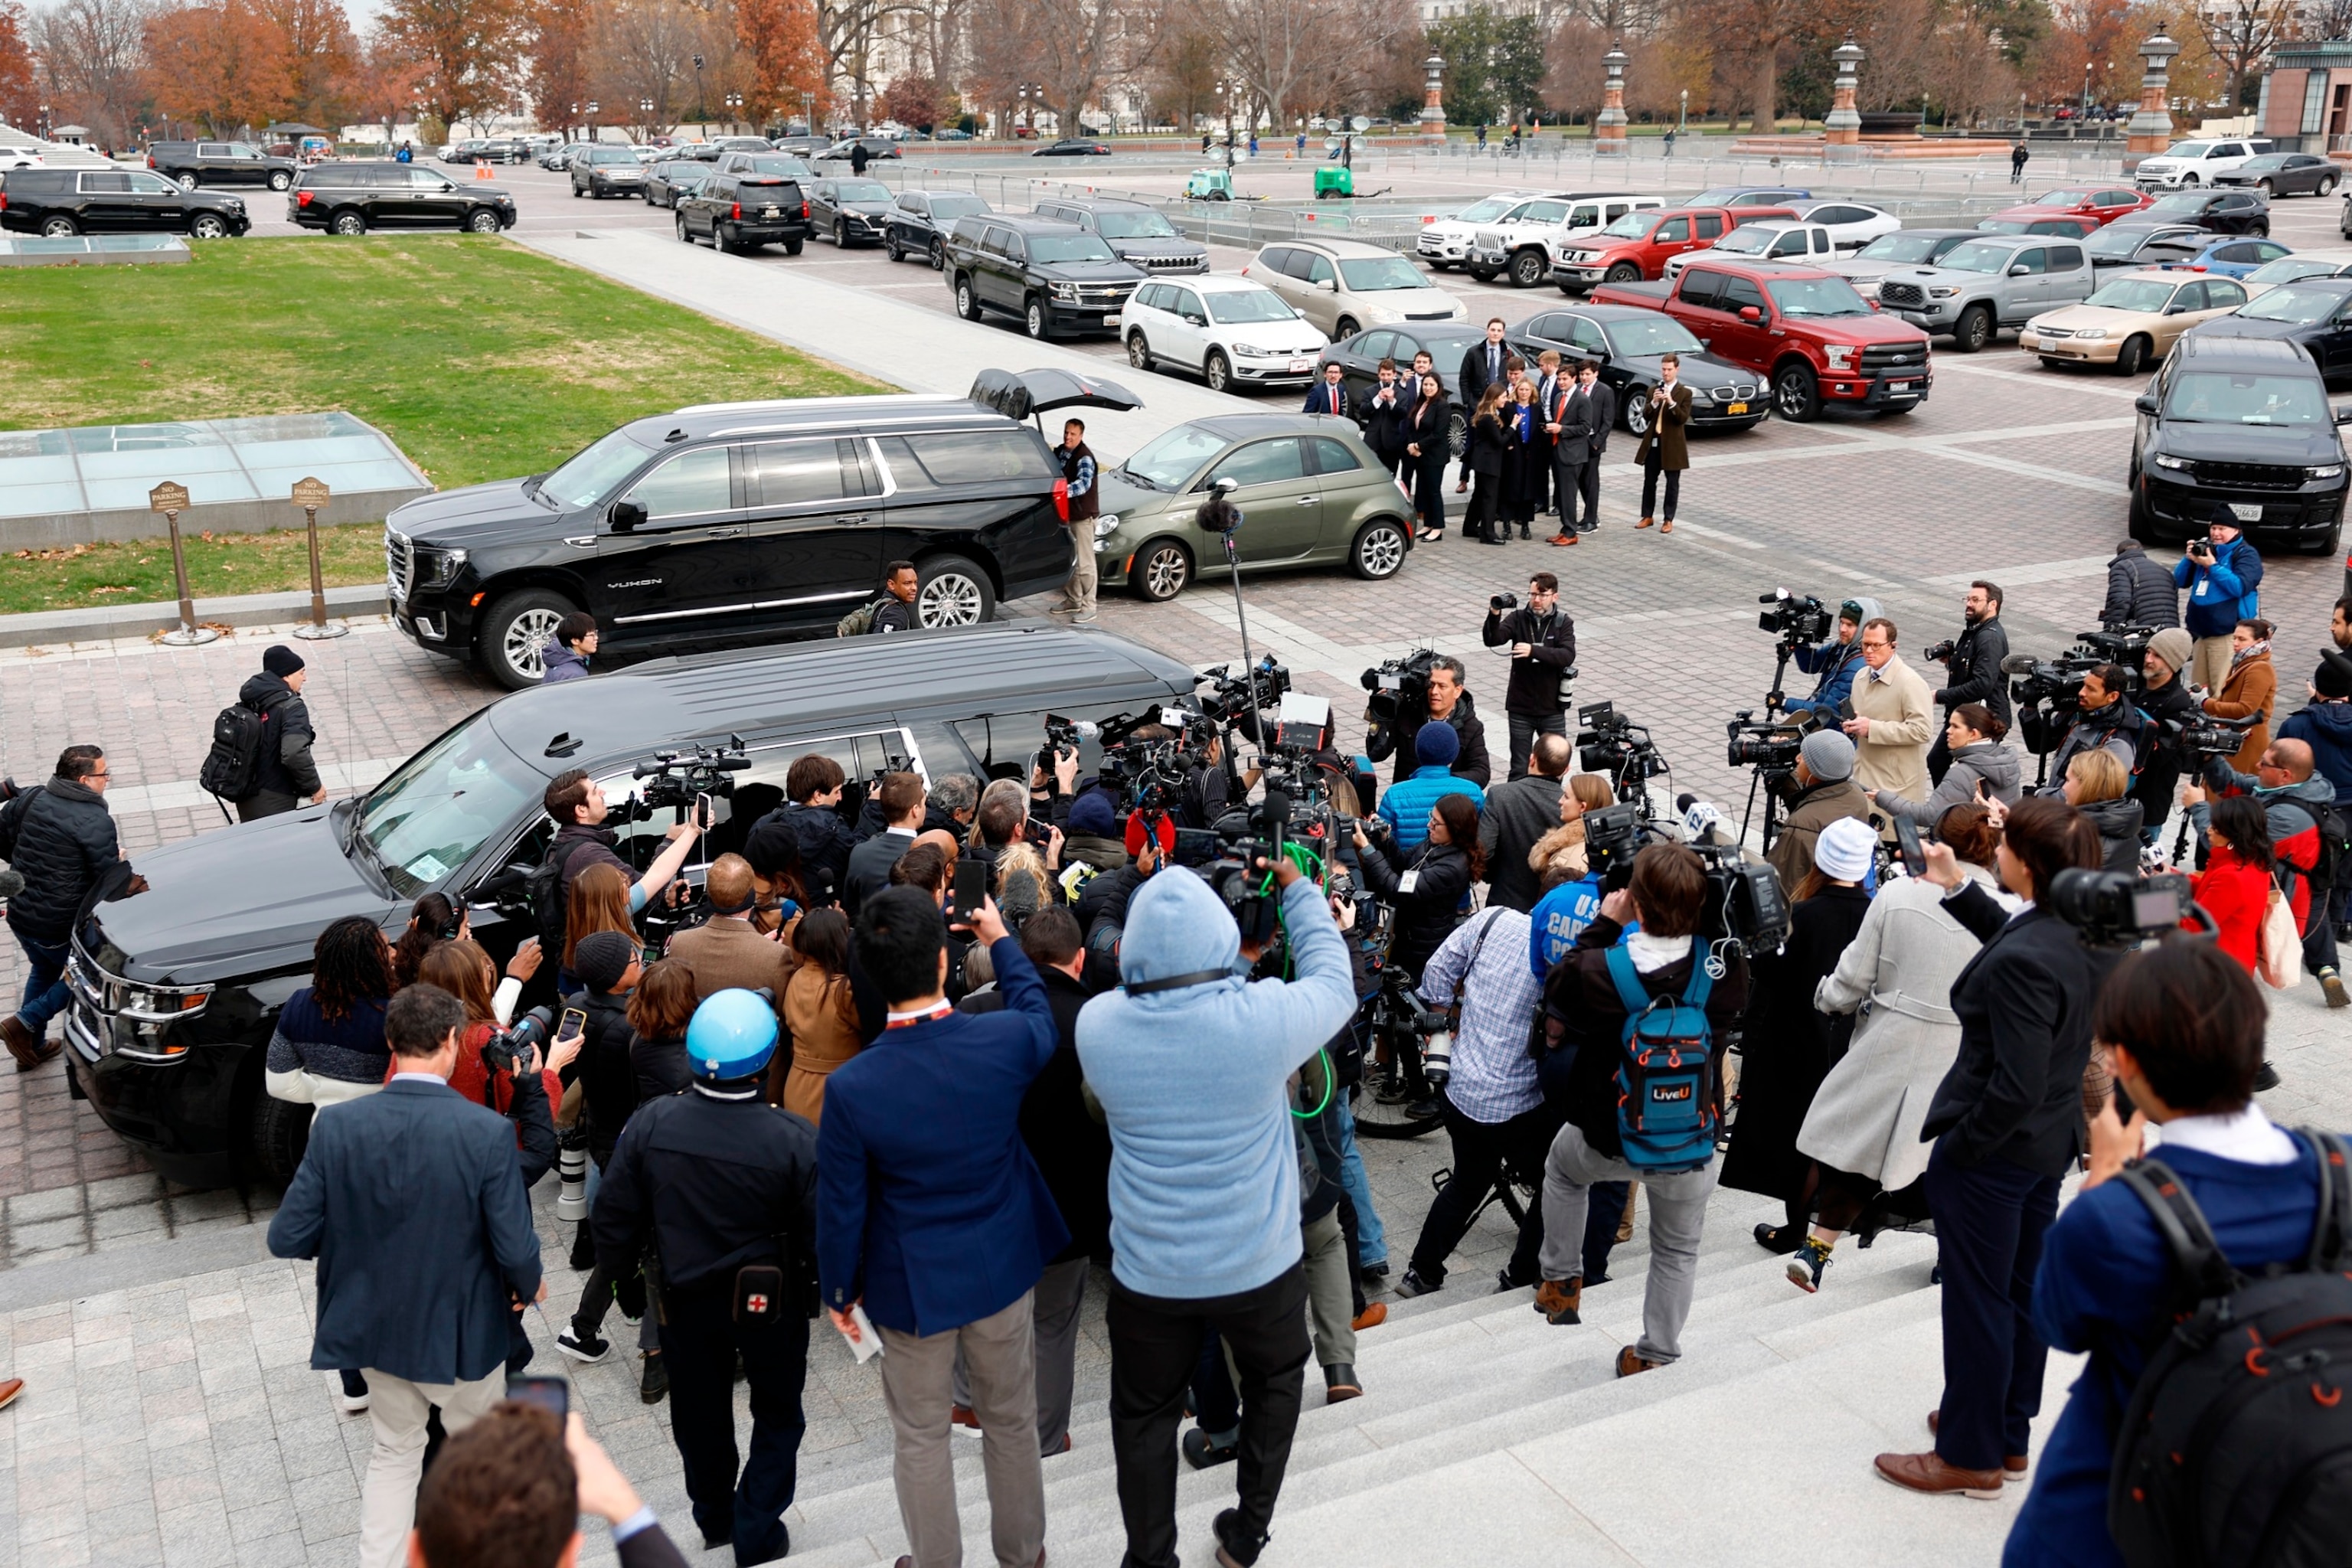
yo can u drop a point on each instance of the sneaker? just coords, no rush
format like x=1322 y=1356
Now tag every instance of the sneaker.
x=2330 y=983
x=1560 y=1300
x=1412 y=1284
x=1805 y=1267
x=963 y=1418
x=586 y=1348
x=2268 y=1078
x=653 y=1387
x=351 y=1391
x=1204 y=1452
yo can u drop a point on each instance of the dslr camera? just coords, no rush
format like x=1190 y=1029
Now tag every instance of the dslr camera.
x=1795 y=621
x=1399 y=688
x=510 y=1047
x=2117 y=908
x=1943 y=650
x=1504 y=601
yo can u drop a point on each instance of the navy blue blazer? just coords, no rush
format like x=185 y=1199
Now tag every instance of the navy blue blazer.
x=412 y=1200
x=1319 y=397
x=928 y=1203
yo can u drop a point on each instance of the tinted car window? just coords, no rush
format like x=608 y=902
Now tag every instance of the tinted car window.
x=1673 y=229
x=153 y=185
x=2222 y=294
x=1709 y=226
x=1701 y=286
x=1331 y=457
x=1377 y=346
x=1319 y=267
x=1275 y=259
x=2066 y=258
x=105 y=184
x=794 y=473
x=1586 y=334
x=690 y=483
x=1738 y=292
x=1260 y=463
x=976 y=457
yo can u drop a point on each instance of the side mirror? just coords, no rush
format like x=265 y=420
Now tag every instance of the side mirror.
x=1224 y=486
x=2021 y=270
x=626 y=515
x=2344 y=416
x=1749 y=314
x=2144 y=403
x=1328 y=285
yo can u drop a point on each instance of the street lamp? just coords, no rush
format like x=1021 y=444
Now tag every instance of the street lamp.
x=702 y=109
x=646 y=114
x=593 y=107
x=1682 y=115
x=734 y=111
x=2088 y=69
x=808 y=113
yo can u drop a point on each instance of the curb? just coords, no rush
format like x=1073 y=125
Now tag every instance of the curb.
x=102 y=623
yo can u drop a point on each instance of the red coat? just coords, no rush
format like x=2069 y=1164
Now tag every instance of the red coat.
x=2236 y=895
x=469 y=1077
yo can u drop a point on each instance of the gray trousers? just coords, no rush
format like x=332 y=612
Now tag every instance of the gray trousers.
x=1330 y=1305
x=917 y=1378
x=397 y=1409
x=1059 y=1294
x=1079 y=592
x=1677 y=1214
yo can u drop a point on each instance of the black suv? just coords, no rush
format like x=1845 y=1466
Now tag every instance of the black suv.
x=602 y=172
x=1135 y=233
x=920 y=220
x=2243 y=422
x=740 y=212
x=59 y=203
x=2314 y=315
x=175 y=991
x=1056 y=277
x=355 y=197
x=787 y=165
x=188 y=164
x=849 y=212
x=2215 y=212
x=732 y=522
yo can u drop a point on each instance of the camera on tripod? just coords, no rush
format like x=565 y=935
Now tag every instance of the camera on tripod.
x=1795 y=620
x=676 y=778
x=1399 y=688
x=2049 y=693
x=1609 y=742
x=1755 y=743
x=1230 y=698
x=1745 y=904
x=2117 y=908
x=2198 y=741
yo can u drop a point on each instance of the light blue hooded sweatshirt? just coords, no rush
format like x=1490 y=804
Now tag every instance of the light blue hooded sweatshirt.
x=1204 y=1170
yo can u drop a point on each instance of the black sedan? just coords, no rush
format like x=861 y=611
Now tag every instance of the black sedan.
x=2286 y=174
x=1072 y=147
x=672 y=178
x=2122 y=245
x=875 y=147
x=849 y=212
x=1359 y=359
x=2315 y=315
x=1626 y=341
x=2215 y=212
x=918 y=221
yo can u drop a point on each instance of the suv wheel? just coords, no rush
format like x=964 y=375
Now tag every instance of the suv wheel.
x=792 y=248
x=841 y=234
x=187 y=182
x=1138 y=352
x=2261 y=230
x=1974 y=329
x=954 y=593
x=1344 y=329
x=576 y=190
x=514 y=636
x=1795 y=394
x=1219 y=372
x=938 y=255
x=276 y=1135
x=280 y=181
x=1162 y=569
x=2326 y=187
x=2138 y=524
x=1529 y=267
x=682 y=233
x=1625 y=272
x=349 y=222
x=1034 y=320
x=1379 y=550
x=2267 y=189
x=890 y=247
x=481 y=220
x=967 y=302
x=2189 y=181
x=208 y=225
x=59 y=227
x=1634 y=406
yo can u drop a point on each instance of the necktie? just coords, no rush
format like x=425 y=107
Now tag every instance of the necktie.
x=1335 y=400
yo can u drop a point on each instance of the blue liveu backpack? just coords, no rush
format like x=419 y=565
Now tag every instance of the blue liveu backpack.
x=1666 y=1072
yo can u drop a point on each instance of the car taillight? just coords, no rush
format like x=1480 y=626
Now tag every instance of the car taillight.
x=151 y=160
x=736 y=215
x=805 y=209
x=302 y=198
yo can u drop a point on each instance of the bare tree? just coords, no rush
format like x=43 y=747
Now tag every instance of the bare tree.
x=93 y=54
x=643 y=54
x=2241 y=33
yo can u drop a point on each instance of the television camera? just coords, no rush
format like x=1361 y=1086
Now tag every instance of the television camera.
x=1608 y=742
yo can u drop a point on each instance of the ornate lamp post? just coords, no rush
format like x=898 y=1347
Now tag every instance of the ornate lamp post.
x=2150 y=130
x=593 y=107
x=1844 y=124
x=1609 y=125
x=1432 y=102
x=734 y=111
x=646 y=114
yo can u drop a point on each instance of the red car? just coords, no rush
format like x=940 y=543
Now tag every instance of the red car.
x=1636 y=246
x=2039 y=219
x=2104 y=202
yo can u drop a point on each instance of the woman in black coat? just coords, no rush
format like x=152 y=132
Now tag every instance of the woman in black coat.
x=1527 y=457
x=1447 y=862
x=2006 y=1121
x=1484 y=459
x=1425 y=434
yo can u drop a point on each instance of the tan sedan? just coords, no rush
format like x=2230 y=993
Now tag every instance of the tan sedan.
x=2132 y=321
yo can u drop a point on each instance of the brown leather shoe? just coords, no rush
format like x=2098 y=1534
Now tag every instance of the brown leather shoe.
x=1928 y=1473
x=1374 y=1314
x=1563 y=539
x=963 y=1416
x=1645 y=522
x=1560 y=1300
x=1667 y=526
x=29 y=1049
x=9 y=1389
x=1630 y=1361
x=2013 y=1466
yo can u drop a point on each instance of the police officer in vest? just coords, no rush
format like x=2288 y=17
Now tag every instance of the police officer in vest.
x=1078 y=471
x=725 y=1186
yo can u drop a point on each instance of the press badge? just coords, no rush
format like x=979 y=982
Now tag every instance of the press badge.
x=1406 y=883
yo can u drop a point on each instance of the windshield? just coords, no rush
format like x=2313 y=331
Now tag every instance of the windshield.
x=1374 y=274
x=2242 y=397
x=1976 y=256
x=2187 y=149
x=1134 y=225
x=2147 y=295
x=862 y=191
x=1069 y=248
x=2178 y=202
x=1719 y=196
x=2118 y=242
x=2288 y=269
x=2300 y=306
x=443 y=804
x=1810 y=299
x=952 y=207
x=1632 y=225
x=1483 y=212
x=596 y=472
x=792 y=167
x=1747 y=241
x=1654 y=335
x=1249 y=307
x=1176 y=457
x=613 y=155
x=1898 y=247
x=2063 y=199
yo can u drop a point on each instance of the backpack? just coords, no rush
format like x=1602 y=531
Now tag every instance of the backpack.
x=12 y=821
x=2335 y=838
x=2237 y=1446
x=234 y=764
x=1666 y=1115
x=544 y=885
x=860 y=621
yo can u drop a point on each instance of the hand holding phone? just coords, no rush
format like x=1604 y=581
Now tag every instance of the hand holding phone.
x=969 y=893
x=1906 y=842
x=552 y=1394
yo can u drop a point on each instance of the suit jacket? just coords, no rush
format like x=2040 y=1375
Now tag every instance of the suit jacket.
x=1604 y=415
x=1383 y=427
x=1072 y=1149
x=412 y=1201
x=2014 y=1092
x=650 y=1547
x=1319 y=398
x=1484 y=453
x=929 y=1204
x=1476 y=375
x=1667 y=432
x=727 y=954
x=1572 y=410
x=869 y=866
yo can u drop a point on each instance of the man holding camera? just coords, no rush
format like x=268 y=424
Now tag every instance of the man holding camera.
x=1448 y=703
x=1825 y=793
x=577 y=802
x=1834 y=663
x=2164 y=697
x=1892 y=724
x=1542 y=638
x=1972 y=667
x=869 y=872
x=412 y=1201
x=2223 y=575
x=2105 y=719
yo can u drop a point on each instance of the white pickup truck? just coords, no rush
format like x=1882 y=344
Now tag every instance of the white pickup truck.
x=1524 y=242
x=1446 y=242
x=2191 y=163
x=1794 y=242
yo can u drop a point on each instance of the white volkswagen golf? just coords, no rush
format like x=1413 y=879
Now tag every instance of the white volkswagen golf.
x=1232 y=332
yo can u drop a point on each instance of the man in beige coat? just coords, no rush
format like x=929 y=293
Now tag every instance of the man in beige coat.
x=1893 y=719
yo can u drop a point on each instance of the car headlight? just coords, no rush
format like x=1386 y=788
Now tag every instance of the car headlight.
x=1066 y=292
x=2325 y=471
x=2090 y=334
x=1255 y=350
x=1106 y=525
x=158 y=1005
x=1941 y=291
x=1839 y=356
x=439 y=568
x=2165 y=461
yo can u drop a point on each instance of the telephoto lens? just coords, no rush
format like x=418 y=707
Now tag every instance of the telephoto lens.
x=571 y=1170
x=1437 y=1058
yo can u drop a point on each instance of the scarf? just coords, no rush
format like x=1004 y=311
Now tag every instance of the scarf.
x=2251 y=651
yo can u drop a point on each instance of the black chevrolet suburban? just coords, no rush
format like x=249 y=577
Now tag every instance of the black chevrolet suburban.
x=1136 y=233
x=356 y=197
x=60 y=203
x=1054 y=277
x=740 y=210
x=734 y=522
x=175 y=991
x=192 y=163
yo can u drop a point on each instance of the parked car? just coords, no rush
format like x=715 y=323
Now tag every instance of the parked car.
x=2242 y=422
x=1638 y=246
x=1056 y=277
x=1910 y=247
x=559 y=157
x=875 y=147
x=1235 y=332
x=1314 y=494
x=351 y=198
x=2035 y=221
x=58 y=204
x=2122 y=245
x=2294 y=269
x=175 y=993
x=600 y=172
x=492 y=149
x=2199 y=162
x=1626 y=343
x=1852 y=224
x=2230 y=256
x=784 y=166
x=1803 y=331
x=1445 y=242
x=1999 y=280
x=2104 y=202
x=1072 y=147
x=1791 y=240
x=849 y=212
x=2286 y=174
x=1527 y=243
x=192 y=163
x=672 y=178
x=800 y=146
x=710 y=152
x=2131 y=321
x=740 y=212
x=19 y=155
x=1136 y=233
x=950 y=134
x=2315 y=316
x=1345 y=285
x=1749 y=196
x=2216 y=212
x=1446 y=344
x=919 y=220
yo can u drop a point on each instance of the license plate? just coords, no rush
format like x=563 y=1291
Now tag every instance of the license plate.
x=1898 y=387
x=1299 y=365
x=1735 y=408
x=769 y=212
x=1110 y=318
x=2248 y=512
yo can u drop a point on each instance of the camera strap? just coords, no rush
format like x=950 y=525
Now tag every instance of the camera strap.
x=1175 y=982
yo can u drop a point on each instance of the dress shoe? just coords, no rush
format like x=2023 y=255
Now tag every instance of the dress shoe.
x=711 y=1542
x=1563 y=539
x=1630 y=1361
x=2266 y=1078
x=1560 y=1300
x=2331 y=985
x=1204 y=1452
x=1236 y=1548
x=963 y=1416
x=1928 y=1473
x=1374 y=1315
x=2013 y=1466
x=1522 y=531
x=29 y=1049
x=9 y=1389
x=1779 y=1239
x=1667 y=526
x=1646 y=523
x=653 y=1386
x=1340 y=1382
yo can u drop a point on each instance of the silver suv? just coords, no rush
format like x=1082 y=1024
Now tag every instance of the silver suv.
x=1983 y=285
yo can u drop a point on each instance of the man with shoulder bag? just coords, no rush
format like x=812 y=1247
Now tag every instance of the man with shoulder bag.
x=1542 y=640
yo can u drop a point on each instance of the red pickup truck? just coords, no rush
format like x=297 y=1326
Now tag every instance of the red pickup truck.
x=1804 y=330
x=1637 y=244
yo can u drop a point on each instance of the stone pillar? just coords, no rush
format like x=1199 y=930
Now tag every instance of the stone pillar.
x=1432 y=106
x=2150 y=130
x=1609 y=126
x=1844 y=124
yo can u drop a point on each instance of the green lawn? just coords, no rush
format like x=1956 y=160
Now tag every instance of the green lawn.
x=141 y=573
x=481 y=359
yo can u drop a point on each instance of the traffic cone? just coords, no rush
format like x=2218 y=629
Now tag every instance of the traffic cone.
x=482 y=171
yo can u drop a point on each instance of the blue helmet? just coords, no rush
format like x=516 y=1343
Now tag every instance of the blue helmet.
x=732 y=1036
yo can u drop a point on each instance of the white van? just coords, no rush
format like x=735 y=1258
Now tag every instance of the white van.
x=1525 y=241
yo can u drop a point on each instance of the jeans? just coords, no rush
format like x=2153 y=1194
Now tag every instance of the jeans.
x=1525 y=728
x=1372 y=1241
x=46 y=992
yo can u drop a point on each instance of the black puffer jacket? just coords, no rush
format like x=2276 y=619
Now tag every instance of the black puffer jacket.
x=1534 y=689
x=1470 y=761
x=1426 y=916
x=2139 y=592
x=284 y=765
x=65 y=843
x=2118 y=825
x=826 y=842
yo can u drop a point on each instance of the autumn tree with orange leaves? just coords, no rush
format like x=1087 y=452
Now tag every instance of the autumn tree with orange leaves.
x=20 y=101
x=787 y=60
